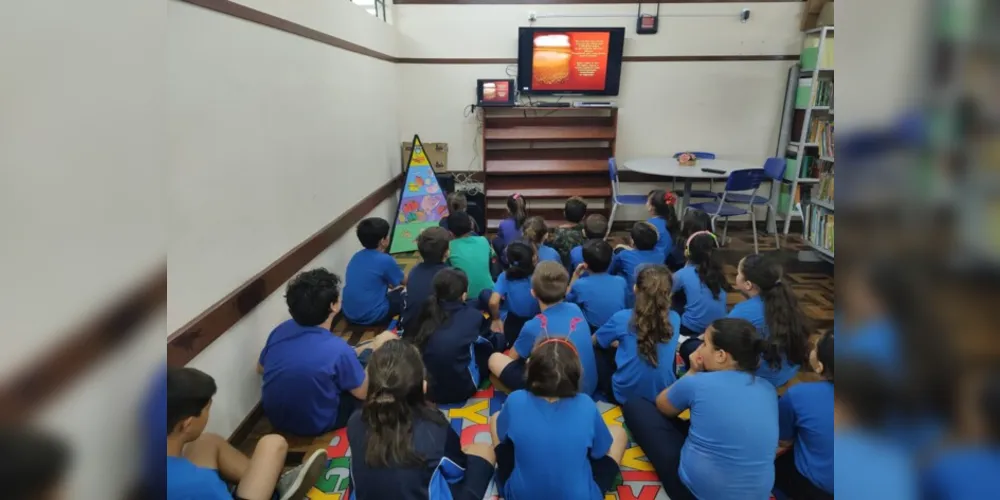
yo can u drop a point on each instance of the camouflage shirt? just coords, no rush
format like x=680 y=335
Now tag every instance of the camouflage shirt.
x=565 y=239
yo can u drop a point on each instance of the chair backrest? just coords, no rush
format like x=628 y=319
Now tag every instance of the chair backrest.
x=613 y=173
x=747 y=179
x=701 y=155
x=774 y=168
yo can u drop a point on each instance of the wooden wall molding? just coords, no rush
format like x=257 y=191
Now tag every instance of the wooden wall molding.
x=191 y=339
x=566 y=2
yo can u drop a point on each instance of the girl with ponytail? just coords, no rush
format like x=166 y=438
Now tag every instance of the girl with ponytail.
x=398 y=439
x=642 y=340
x=733 y=426
x=454 y=339
x=703 y=284
x=536 y=232
x=660 y=205
x=510 y=228
x=772 y=307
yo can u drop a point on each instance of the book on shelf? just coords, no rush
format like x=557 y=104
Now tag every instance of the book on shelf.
x=821 y=228
x=821 y=133
x=824 y=93
x=824 y=191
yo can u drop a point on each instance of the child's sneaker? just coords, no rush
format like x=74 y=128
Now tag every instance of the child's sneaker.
x=296 y=483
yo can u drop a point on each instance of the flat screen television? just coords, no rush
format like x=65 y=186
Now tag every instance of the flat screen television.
x=576 y=61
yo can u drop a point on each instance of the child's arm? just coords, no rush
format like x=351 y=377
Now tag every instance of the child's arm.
x=678 y=283
x=786 y=420
x=602 y=437
x=582 y=268
x=497 y=324
x=612 y=331
x=392 y=274
x=351 y=375
x=678 y=397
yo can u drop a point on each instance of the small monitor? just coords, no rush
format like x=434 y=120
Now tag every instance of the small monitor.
x=495 y=92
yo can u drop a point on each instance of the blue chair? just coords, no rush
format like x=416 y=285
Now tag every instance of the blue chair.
x=618 y=199
x=774 y=169
x=739 y=180
x=710 y=194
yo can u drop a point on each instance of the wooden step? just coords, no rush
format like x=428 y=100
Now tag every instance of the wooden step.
x=549 y=214
x=550 y=133
x=549 y=186
x=535 y=161
x=493 y=224
x=549 y=121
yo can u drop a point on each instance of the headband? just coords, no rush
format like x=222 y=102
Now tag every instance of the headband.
x=559 y=340
x=691 y=238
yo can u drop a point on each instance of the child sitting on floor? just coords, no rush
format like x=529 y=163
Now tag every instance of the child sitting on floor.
x=312 y=380
x=374 y=290
x=454 y=339
x=457 y=203
x=509 y=229
x=772 y=307
x=694 y=222
x=432 y=244
x=537 y=233
x=402 y=447
x=704 y=287
x=512 y=303
x=643 y=340
x=197 y=463
x=557 y=319
x=566 y=237
x=660 y=205
x=628 y=261
x=595 y=227
x=470 y=253
x=551 y=441
x=599 y=294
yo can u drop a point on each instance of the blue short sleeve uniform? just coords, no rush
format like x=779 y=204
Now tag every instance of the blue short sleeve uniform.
x=701 y=308
x=752 y=310
x=806 y=416
x=452 y=372
x=370 y=274
x=562 y=320
x=187 y=481
x=635 y=376
x=516 y=295
x=306 y=368
x=664 y=241
x=575 y=257
x=554 y=443
x=627 y=263
x=969 y=471
x=870 y=468
x=599 y=295
x=419 y=286
x=733 y=435
x=546 y=252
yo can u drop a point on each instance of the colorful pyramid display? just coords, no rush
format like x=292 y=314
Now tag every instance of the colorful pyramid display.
x=421 y=204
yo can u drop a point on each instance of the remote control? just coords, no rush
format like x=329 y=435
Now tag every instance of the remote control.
x=713 y=171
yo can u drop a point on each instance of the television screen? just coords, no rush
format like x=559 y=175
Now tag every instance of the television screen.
x=583 y=61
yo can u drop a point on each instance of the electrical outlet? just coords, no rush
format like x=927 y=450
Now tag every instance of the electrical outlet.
x=532 y=16
x=744 y=15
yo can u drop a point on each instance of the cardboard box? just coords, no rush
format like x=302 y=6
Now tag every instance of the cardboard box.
x=437 y=153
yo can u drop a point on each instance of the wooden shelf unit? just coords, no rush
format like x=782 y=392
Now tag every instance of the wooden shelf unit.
x=547 y=155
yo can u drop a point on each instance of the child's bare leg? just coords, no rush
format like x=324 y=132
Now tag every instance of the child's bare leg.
x=264 y=469
x=493 y=429
x=483 y=451
x=619 y=441
x=498 y=361
x=212 y=451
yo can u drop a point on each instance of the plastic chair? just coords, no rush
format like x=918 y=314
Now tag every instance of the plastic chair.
x=710 y=194
x=618 y=199
x=739 y=180
x=774 y=169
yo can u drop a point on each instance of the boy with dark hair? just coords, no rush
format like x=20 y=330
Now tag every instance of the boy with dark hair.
x=432 y=244
x=599 y=294
x=568 y=236
x=198 y=462
x=471 y=253
x=595 y=227
x=312 y=378
x=627 y=262
x=35 y=464
x=558 y=319
x=374 y=290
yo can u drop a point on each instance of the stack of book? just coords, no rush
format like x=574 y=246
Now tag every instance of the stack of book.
x=824 y=191
x=821 y=228
x=824 y=93
x=821 y=132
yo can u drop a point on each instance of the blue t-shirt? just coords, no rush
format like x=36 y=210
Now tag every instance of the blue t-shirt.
x=599 y=295
x=546 y=252
x=701 y=308
x=305 y=370
x=665 y=241
x=734 y=434
x=419 y=286
x=806 y=416
x=553 y=445
x=369 y=275
x=635 y=377
x=575 y=257
x=562 y=320
x=752 y=310
x=876 y=342
x=452 y=373
x=627 y=262
x=187 y=481
x=516 y=295
x=962 y=473
x=869 y=468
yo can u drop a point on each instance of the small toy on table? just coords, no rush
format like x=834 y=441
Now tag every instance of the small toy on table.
x=687 y=159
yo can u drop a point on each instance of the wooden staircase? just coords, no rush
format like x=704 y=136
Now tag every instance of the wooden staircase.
x=547 y=155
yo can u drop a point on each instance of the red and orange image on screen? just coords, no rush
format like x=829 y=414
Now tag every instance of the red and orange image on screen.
x=498 y=91
x=571 y=61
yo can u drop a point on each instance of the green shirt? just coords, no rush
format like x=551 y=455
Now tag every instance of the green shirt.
x=472 y=255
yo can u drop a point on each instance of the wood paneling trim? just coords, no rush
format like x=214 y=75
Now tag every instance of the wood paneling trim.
x=556 y=2
x=188 y=341
x=695 y=58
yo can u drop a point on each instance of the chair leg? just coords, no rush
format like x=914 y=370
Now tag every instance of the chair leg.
x=725 y=230
x=711 y=221
x=611 y=218
x=777 y=240
x=753 y=224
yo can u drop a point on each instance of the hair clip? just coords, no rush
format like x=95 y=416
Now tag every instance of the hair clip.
x=669 y=198
x=516 y=196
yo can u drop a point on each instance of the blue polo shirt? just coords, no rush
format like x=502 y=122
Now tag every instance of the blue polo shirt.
x=599 y=295
x=187 y=481
x=516 y=295
x=627 y=262
x=305 y=370
x=701 y=308
x=752 y=310
x=562 y=320
x=553 y=445
x=868 y=467
x=419 y=286
x=546 y=252
x=805 y=415
x=734 y=433
x=665 y=241
x=575 y=257
x=951 y=474
x=635 y=377
x=451 y=367
x=370 y=274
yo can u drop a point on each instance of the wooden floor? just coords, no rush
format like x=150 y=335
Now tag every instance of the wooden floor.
x=812 y=283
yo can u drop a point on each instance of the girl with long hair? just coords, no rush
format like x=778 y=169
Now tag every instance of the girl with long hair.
x=400 y=444
x=772 y=307
x=537 y=234
x=660 y=205
x=703 y=283
x=510 y=227
x=512 y=303
x=643 y=339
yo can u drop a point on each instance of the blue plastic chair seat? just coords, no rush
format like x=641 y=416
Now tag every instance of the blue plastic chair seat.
x=745 y=199
x=631 y=199
x=702 y=194
x=711 y=207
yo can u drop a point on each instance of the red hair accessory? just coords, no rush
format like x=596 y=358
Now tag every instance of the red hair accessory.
x=560 y=340
x=516 y=196
x=669 y=198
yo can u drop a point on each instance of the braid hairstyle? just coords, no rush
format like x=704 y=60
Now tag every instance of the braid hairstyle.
x=786 y=323
x=651 y=316
x=702 y=253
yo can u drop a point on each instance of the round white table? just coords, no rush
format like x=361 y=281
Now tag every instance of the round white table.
x=668 y=167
